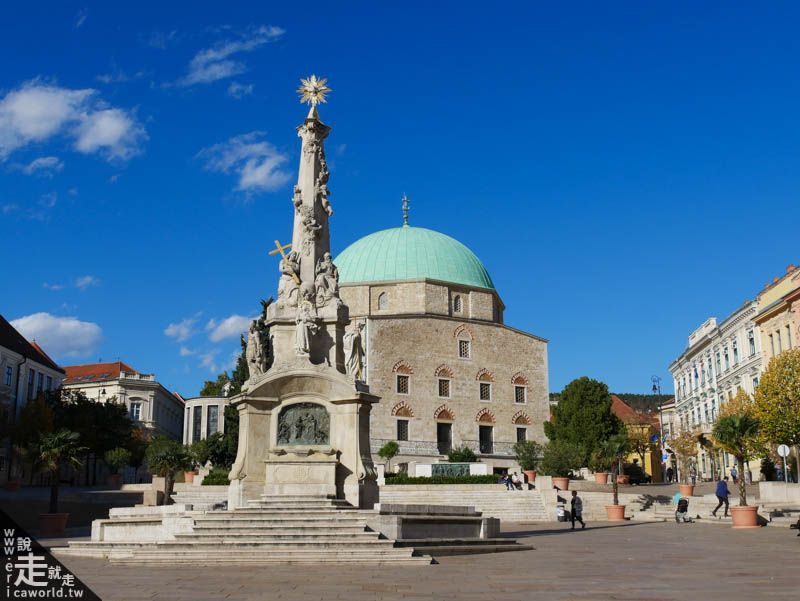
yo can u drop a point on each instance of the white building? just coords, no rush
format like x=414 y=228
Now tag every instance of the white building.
x=204 y=416
x=719 y=359
x=25 y=371
x=149 y=403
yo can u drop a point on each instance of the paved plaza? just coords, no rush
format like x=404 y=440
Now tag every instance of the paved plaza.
x=631 y=561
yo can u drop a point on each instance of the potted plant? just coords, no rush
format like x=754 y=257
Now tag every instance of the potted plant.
x=616 y=448
x=166 y=457
x=51 y=451
x=738 y=435
x=559 y=458
x=684 y=446
x=388 y=451
x=528 y=453
x=600 y=464
x=116 y=459
x=199 y=452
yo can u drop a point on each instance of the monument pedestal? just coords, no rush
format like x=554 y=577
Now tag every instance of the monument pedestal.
x=302 y=472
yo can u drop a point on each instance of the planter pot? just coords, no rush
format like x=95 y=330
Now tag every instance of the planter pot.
x=13 y=485
x=601 y=477
x=687 y=490
x=623 y=479
x=114 y=481
x=530 y=475
x=52 y=524
x=560 y=483
x=745 y=517
x=188 y=477
x=615 y=513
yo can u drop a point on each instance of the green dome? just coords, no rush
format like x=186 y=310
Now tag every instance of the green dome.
x=411 y=253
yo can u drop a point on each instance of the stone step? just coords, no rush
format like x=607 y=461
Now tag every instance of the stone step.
x=277 y=536
x=272 y=522
x=178 y=546
x=398 y=556
x=354 y=526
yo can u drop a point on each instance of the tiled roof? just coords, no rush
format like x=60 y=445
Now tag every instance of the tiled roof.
x=628 y=414
x=13 y=340
x=95 y=372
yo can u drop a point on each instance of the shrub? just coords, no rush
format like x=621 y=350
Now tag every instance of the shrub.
x=389 y=450
x=200 y=452
x=216 y=476
x=117 y=458
x=404 y=479
x=165 y=457
x=560 y=458
x=528 y=453
x=462 y=455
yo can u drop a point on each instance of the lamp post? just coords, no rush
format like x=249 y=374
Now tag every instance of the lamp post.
x=657 y=390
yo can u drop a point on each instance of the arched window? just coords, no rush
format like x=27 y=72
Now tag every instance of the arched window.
x=520 y=383
x=443 y=374
x=463 y=336
x=457 y=308
x=383 y=301
x=403 y=372
x=485 y=379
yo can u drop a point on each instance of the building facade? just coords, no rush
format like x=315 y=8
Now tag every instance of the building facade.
x=778 y=314
x=149 y=404
x=449 y=372
x=720 y=358
x=25 y=372
x=203 y=417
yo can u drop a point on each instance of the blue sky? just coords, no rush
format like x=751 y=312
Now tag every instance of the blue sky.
x=624 y=170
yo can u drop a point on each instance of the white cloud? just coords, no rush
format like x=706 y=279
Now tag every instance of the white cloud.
x=209 y=361
x=240 y=90
x=60 y=336
x=36 y=111
x=256 y=162
x=230 y=327
x=117 y=75
x=53 y=286
x=81 y=17
x=186 y=352
x=84 y=282
x=44 y=166
x=161 y=39
x=217 y=62
x=113 y=179
x=49 y=200
x=182 y=330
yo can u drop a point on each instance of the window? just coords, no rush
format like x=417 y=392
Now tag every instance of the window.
x=485 y=391
x=402 y=384
x=727 y=361
x=9 y=375
x=49 y=383
x=464 y=349
x=212 y=420
x=751 y=339
x=383 y=301
x=457 y=305
x=444 y=437
x=402 y=429
x=522 y=434
x=444 y=388
x=755 y=383
x=780 y=343
x=735 y=353
x=186 y=426
x=485 y=437
x=136 y=411
x=772 y=345
x=519 y=394
x=31 y=380
x=719 y=363
x=789 y=337
x=197 y=418
x=40 y=383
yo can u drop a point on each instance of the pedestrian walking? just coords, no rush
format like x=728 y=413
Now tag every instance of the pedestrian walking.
x=693 y=475
x=669 y=474
x=734 y=474
x=722 y=496
x=576 y=505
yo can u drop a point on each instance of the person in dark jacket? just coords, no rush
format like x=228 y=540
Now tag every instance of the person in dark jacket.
x=722 y=496
x=576 y=504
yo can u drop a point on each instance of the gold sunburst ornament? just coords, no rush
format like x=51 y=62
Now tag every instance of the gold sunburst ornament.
x=313 y=91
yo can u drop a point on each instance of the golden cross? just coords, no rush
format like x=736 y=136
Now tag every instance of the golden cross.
x=280 y=249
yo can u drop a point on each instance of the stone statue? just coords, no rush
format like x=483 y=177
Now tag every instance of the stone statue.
x=311 y=228
x=326 y=280
x=297 y=199
x=290 y=278
x=326 y=205
x=254 y=351
x=306 y=327
x=354 y=350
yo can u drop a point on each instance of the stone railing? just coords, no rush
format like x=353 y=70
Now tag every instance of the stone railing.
x=124 y=375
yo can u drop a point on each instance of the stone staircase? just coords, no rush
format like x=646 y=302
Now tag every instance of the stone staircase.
x=201 y=498
x=286 y=529
x=490 y=500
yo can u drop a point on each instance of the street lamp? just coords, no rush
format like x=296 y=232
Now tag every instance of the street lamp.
x=657 y=390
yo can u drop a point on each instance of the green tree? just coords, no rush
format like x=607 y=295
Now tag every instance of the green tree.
x=738 y=435
x=166 y=457
x=222 y=446
x=241 y=372
x=388 y=451
x=616 y=448
x=777 y=401
x=583 y=417
x=200 y=451
x=684 y=445
x=528 y=453
x=51 y=451
x=35 y=419
x=214 y=387
x=117 y=458
x=559 y=458
x=462 y=455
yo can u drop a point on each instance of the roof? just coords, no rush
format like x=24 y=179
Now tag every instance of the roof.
x=95 y=372
x=628 y=414
x=14 y=341
x=411 y=253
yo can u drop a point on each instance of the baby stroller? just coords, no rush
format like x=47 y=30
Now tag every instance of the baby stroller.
x=682 y=512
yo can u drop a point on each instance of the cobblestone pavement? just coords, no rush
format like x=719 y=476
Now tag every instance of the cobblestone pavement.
x=631 y=561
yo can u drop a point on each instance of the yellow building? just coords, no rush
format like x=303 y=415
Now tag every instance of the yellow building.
x=778 y=314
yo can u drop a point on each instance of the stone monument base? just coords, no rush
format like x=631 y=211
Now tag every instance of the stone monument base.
x=301 y=471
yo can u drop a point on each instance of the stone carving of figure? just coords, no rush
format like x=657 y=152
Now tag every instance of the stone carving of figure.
x=323 y=193
x=354 y=350
x=311 y=227
x=284 y=433
x=254 y=351
x=327 y=279
x=297 y=199
x=288 y=286
x=306 y=327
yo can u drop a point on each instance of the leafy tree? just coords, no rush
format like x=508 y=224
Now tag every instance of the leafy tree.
x=462 y=455
x=388 y=451
x=777 y=401
x=639 y=440
x=117 y=458
x=684 y=445
x=51 y=451
x=223 y=446
x=615 y=449
x=214 y=387
x=241 y=372
x=35 y=419
x=559 y=458
x=166 y=457
x=137 y=445
x=528 y=453
x=583 y=417
x=200 y=452
x=738 y=435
